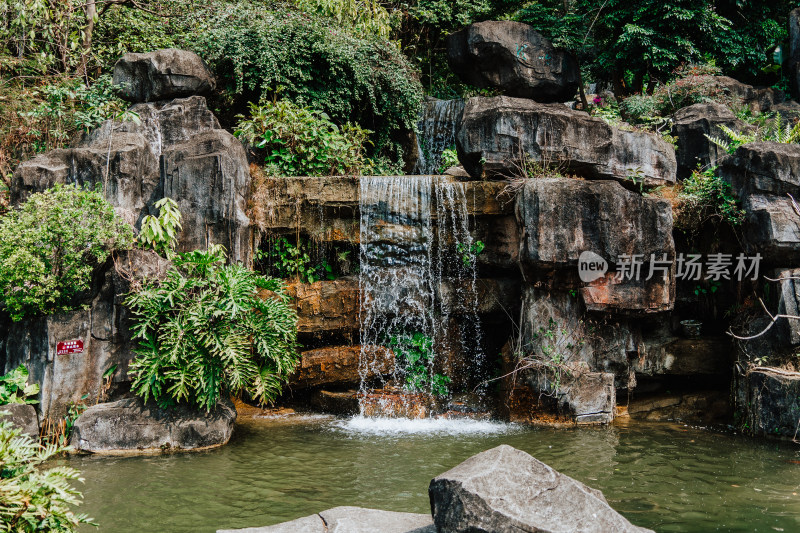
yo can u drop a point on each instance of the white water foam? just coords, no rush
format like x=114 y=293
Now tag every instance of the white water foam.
x=397 y=427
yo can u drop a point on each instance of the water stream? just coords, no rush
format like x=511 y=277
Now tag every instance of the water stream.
x=671 y=478
x=437 y=132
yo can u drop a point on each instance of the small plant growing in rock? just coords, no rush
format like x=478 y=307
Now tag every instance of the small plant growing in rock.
x=449 y=159
x=31 y=498
x=773 y=131
x=705 y=197
x=50 y=246
x=294 y=262
x=415 y=356
x=161 y=233
x=469 y=253
x=209 y=330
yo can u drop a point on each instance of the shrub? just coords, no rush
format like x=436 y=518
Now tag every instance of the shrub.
x=257 y=50
x=414 y=354
x=204 y=332
x=14 y=387
x=705 y=197
x=161 y=233
x=300 y=141
x=32 y=499
x=50 y=246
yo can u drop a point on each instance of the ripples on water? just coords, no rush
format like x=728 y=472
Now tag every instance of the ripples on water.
x=666 y=477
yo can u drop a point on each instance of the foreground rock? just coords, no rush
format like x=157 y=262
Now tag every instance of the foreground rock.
x=497 y=134
x=515 y=58
x=128 y=426
x=770 y=400
x=23 y=416
x=504 y=489
x=691 y=125
x=349 y=520
x=162 y=75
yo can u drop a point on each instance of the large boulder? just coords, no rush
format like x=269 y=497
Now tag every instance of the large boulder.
x=349 y=520
x=563 y=218
x=515 y=58
x=102 y=327
x=691 y=125
x=497 y=134
x=769 y=398
x=505 y=489
x=162 y=75
x=23 y=416
x=128 y=426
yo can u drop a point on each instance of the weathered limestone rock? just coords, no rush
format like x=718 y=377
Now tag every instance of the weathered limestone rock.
x=23 y=416
x=702 y=407
x=326 y=305
x=770 y=400
x=128 y=426
x=162 y=75
x=497 y=133
x=209 y=178
x=505 y=489
x=103 y=329
x=341 y=364
x=562 y=218
x=691 y=125
x=515 y=58
x=349 y=520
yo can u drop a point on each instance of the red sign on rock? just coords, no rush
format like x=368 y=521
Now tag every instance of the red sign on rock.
x=67 y=347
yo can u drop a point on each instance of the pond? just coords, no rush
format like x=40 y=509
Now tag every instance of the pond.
x=667 y=477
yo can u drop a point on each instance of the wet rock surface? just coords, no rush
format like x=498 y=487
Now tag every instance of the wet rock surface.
x=497 y=134
x=515 y=58
x=128 y=426
x=162 y=75
x=505 y=489
x=22 y=416
x=341 y=364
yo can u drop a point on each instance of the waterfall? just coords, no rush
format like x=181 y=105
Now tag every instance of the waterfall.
x=414 y=277
x=437 y=127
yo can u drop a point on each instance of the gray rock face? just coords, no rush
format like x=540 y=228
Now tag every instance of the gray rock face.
x=564 y=217
x=764 y=175
x=770 y=399
x=496 y=133
x=23 y=416
x=507 y=490
x=162 y=75
x=129 y=426
x=103 y=329
x=691 y=125
x=515 y=58
x=349 y=520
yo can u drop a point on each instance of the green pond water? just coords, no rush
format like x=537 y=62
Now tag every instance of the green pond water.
x=662 y=476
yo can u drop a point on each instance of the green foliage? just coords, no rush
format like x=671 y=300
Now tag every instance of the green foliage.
x=361 y=17
x=772 y=131
x=161 y=233
x=32 y=498
x=556 y=346
x=414 y=354
x=206 y=332
x=50 y=246
x=470 y=253
x=299 y=141
x=256 y=50
x=449 y=159
x=704 y=197
x=14 y=387
x=294 y=262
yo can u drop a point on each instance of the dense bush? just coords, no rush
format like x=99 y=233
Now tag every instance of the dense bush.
x=257 y=51
x=205 y=332
x=31 y=498
x=298 y=141
x=50 y=246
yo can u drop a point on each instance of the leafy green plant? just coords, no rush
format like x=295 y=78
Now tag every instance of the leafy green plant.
x=293 y=262
x=771 y=131
x=449 y=159
x=161 y=233
x=32 y=498
x=414 y=354
x=14 y=387
x=703 y=197
x=50 y=246
x=470 y=252
x=299 y=141
x=362 y=17
x=205 y=332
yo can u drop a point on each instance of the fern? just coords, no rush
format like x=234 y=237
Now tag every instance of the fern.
x=772 y=131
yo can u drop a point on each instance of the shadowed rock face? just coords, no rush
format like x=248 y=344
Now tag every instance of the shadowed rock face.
x=496 y=134
x=514 y=57
x=129 y=426
x=505 y=489
x=771 y=402
x=162 y=75
x=691 y=125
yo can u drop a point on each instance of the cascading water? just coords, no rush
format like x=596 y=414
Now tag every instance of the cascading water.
x=416 y=273
x=437 y=131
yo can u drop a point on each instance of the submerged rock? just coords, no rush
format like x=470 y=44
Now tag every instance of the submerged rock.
x=505 y=489
x=349 y=520
x=691 y=125
x=23 y=416
x=497 y=135
x=515 y=58
x=161 y=75
x=129 y=426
